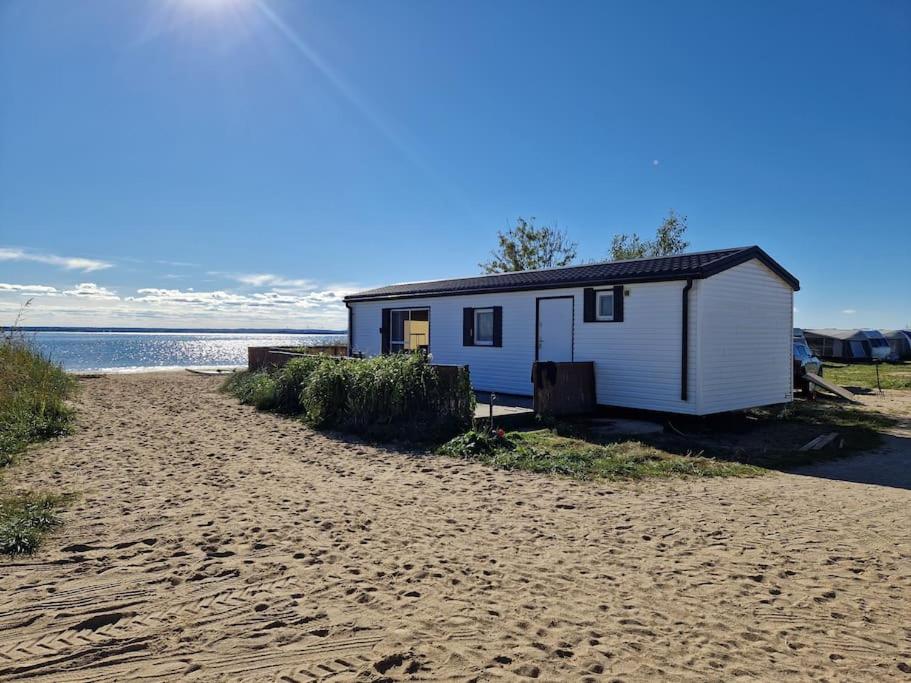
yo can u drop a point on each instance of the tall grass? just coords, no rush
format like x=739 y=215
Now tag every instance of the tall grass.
x=395 y=396
x=33 y=393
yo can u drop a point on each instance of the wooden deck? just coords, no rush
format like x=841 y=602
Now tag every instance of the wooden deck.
x=508 y=410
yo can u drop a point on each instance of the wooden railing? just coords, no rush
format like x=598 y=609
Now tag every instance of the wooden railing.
x=264 y=357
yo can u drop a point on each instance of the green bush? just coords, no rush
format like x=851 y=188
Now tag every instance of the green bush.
x=400 y=395
x=263 y=391
x=475 y=443
x=33 y=393
x=290 y=381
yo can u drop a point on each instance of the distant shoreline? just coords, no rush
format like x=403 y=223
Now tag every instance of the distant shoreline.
x=226 y=369
x=177 y=330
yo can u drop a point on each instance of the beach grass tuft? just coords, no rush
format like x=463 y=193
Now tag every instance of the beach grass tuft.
x=24 y=520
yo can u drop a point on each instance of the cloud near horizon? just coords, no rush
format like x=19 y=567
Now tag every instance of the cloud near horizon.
x=267 y=280
x=87 y=301
x=89 y=290
x=37 y=290
x=86 y=265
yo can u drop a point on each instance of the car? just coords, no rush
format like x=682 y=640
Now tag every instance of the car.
x=804 y=362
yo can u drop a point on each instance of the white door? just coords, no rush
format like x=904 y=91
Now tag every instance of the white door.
x=555 y=329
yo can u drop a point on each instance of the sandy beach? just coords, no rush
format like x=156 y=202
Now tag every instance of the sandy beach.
x=213 y=542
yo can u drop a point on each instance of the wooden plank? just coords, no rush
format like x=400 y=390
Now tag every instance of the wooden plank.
x=831 y=387
x=820 y=442
x=815 y=443
x=825 y=441
x=810 y=444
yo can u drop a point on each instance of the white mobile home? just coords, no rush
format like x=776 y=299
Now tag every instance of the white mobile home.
x=693 y=333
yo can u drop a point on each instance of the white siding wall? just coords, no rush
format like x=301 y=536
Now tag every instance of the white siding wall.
x=745 y=331
x=637 y=362
x=506 y=369
x=739 y=353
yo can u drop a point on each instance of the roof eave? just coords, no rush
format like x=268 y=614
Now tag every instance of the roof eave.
x=754 y=252
x=355 y=298
x=720 y=265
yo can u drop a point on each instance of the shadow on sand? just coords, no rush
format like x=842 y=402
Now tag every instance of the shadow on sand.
x=772 y=439
x=889 y=465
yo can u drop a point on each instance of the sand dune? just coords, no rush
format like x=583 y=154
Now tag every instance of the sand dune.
x=214 y=543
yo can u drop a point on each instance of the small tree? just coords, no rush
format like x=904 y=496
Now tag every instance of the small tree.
x=627 y=246
x=669 y=239
x=526 y=247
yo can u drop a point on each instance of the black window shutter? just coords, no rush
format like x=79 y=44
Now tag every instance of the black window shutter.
x=498 y=326
x=467 y=327
x=385 y=330
x=588 y=305
x=618 y=304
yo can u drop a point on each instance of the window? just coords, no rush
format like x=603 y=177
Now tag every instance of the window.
x=397 y=330
x=483 y=326
x=401 y=320
x=605 y=305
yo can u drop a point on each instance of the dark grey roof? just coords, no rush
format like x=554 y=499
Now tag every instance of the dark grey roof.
x=844 y=335
x=677 y=267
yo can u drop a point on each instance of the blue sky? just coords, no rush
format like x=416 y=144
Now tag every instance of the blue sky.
x=247 y=162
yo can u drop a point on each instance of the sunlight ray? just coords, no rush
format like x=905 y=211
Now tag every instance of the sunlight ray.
x=350 y=94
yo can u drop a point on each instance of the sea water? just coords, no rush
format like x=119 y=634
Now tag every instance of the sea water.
x=137 y=351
